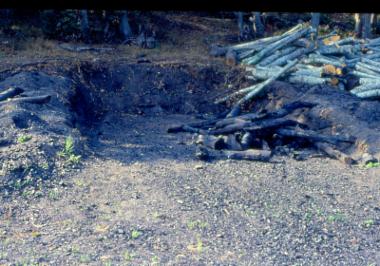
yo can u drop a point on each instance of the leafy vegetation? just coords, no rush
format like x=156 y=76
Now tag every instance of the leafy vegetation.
x=198 y=247
x=24 y=138
x=135 y=234
x=127 y=256
x=368 y=223
x=372 y=165
x=68 y=152
x=196 y=224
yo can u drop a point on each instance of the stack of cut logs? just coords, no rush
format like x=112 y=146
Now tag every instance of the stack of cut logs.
x=298 y=56
x=255 y=136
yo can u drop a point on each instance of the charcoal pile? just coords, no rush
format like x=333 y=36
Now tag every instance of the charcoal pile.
x=298 y=57
x=256 y=136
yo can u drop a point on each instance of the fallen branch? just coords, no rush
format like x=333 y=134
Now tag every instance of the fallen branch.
x=35 y=100
x=10 y=93
x=314 y=136
x=250 y=155
x=79 y=49
x=236 y=108
x=256 y=127
x=334 y=153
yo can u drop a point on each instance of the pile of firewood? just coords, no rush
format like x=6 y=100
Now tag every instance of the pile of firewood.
x=299 y=56
x=296 y=56
x=255 y=136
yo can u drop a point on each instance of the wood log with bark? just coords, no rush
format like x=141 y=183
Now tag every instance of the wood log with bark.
x=348 y=64
x=10 y=93
x=250 y=155
x=34 y=100
x=236 y=108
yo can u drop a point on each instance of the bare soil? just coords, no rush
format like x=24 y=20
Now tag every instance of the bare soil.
x=139 y=178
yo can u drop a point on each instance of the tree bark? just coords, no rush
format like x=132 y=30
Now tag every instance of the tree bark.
x=250 y=155
x=236 y=108
x=276 y=46
x=364 y=75
x=320 y=59
x=258 y=26
x=268 y=60
x=310 y=80
x=293 y=55
x=264 y=73
x=369 y=94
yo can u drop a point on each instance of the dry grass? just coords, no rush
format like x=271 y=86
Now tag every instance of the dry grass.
x=187 y=40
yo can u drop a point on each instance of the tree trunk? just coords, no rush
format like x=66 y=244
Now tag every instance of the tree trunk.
x=374 y=23
x=258 y=26
x=366 y=26
x=85 y=28
x=315 y=18
x=240 y=22
x=124 y=26
x=358 y=24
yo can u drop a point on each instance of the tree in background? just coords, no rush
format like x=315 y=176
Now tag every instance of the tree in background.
x=85 y=27
x=258 y=26
x=315 y=18
x=125 y=28
x=363 y=25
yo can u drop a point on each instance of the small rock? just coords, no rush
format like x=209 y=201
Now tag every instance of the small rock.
x=198 y=166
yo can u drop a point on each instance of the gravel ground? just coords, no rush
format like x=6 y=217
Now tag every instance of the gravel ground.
x=143 y=199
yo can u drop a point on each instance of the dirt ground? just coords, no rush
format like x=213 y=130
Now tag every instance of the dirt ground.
x=139 y=196
x=142 y=199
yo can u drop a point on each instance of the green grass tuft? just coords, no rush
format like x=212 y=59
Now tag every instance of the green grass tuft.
x=24 y=138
